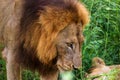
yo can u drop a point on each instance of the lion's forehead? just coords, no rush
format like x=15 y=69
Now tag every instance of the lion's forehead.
x=69 y=32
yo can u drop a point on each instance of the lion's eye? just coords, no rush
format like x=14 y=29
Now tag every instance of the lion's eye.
x=70 y=45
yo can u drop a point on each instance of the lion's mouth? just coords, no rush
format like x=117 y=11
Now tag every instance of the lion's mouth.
x=63 y=68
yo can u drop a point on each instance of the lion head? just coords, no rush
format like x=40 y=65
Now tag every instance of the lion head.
x=63 y=26
x=99 y=68
x=57 y=33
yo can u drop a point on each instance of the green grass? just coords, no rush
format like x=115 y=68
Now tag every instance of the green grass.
x=102 y=37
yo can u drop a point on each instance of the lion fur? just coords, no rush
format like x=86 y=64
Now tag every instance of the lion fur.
x=33 y=26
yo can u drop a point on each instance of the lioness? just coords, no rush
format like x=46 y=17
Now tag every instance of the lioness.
x=100 y=71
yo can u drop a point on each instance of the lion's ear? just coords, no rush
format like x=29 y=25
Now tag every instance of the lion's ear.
x=97 y=61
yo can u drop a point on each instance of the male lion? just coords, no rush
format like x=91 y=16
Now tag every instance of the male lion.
x=99 y=69
x=42 y=35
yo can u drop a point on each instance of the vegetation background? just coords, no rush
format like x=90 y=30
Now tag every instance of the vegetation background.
x=102 y=38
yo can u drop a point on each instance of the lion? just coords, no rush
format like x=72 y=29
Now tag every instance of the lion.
x=99 y=69
x=42 y=35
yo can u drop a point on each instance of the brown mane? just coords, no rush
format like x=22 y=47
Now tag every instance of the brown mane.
x=48 y=25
